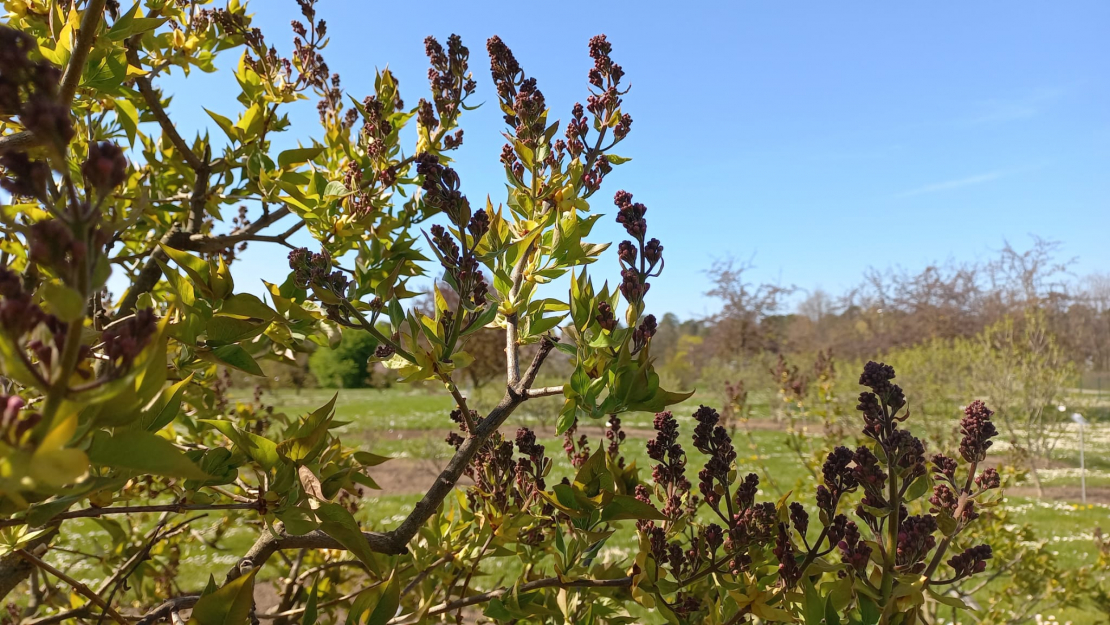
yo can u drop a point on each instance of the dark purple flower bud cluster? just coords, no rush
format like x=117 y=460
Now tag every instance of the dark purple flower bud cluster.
x=854 y=551
x=945 y=467
x=577 y=129
x=713 y=440
x=789 y=572
x=944 y=500
x=978 y=430
x=632 y=286
x=52 y=245
x=531 y=467
x=29 y=89
x=577 y=451
x=746 y=491
x=870 y=476
x=643 y=333
x=837 y=473
x=126 y=339
x=310 y=269
x=19 y=314
x=605 y=317
x=988 y=479
x=750 y=527
x=799 y=518
x=915 y=541
x=615 y=436
x=669 y=472
x=507 y=74
x=606 y=76
x=626 y=253
x=23 y=176
x=450 y=79
x=910 y=452
x=971 y=561
x=376 y=127
x=479 y=225
x=441 y=188
x=105 y=168
x=631 y=215
x=16 y=423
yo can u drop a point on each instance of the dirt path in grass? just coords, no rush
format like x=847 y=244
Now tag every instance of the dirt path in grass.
x=1070 y=494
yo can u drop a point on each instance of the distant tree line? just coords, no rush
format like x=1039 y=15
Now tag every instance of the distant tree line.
x=893 y=308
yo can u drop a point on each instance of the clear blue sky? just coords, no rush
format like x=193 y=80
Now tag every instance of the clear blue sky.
x=822 y=138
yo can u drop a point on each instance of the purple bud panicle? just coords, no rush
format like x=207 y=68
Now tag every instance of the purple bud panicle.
x=978 y=430
x=971 y=561
x=105 y=168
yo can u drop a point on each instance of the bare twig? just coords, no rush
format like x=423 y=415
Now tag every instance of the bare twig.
x=86 y=513
x=545 y=391
x=549 y=582
x=81 y=589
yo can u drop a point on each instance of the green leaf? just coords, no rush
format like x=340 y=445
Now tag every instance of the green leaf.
x=310 y=614
x=622 y=507
x=225 y=124
x=336 y=522
x=368 y=459
x=918 y=487
x=261 y=450
x=164 y=408
x=230 y=605
x=566 y=417
x=336 y=189
x=660 y=400
x=831 y=615
x=66 y=303
x=197 y=268
x=297 y=521
x=141 y=451
x=247 y=306
x=128 y=117
x=237 y=358
x=380 y=602
x=296 y=156
x=222 y=329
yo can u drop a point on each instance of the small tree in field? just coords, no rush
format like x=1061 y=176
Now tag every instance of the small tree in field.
x=115 y=410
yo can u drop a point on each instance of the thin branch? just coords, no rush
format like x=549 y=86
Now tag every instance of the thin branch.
x=396 y=541
x=423 y=574
x=86 y=36
x=548 y=582
x=61 y=617
x=154 y=102
x=460 y=401
x=76 y=585
x=86 y=513
x=168 y=607
x=269 y=543
x=17 y=142
x=300 y=611
x=544 y=391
